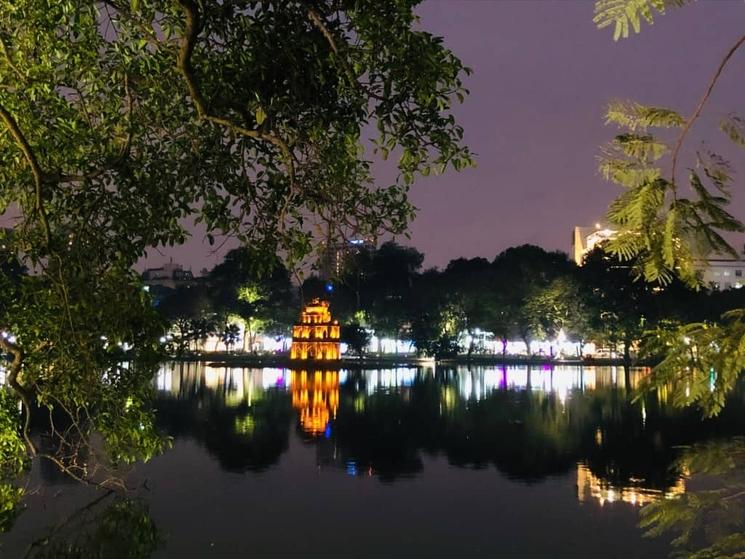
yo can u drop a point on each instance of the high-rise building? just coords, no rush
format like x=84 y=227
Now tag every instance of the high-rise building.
x=169 y=275
x=336 y=256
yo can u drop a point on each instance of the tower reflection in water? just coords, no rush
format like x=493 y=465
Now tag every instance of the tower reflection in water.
x=315 y=396
x=529 y=422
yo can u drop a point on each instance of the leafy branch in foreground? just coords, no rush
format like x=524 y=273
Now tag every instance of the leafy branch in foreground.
x=709 y=522
x=668 y=230
x=120 y=121
x=663 y=231
x=701 y=362
x=626 y=14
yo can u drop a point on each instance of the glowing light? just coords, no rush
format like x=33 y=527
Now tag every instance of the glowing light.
x=316 y=337
x=316 y=398
x=590 y=486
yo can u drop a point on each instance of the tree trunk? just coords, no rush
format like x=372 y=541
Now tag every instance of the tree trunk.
x=627 y=351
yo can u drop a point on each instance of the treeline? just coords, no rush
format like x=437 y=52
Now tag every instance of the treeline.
x=525 y=293
x=236 y=293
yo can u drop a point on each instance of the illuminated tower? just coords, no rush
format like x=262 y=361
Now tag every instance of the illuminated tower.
x=316 y=338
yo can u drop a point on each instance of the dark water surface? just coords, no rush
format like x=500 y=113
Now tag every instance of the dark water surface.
x=479 y=462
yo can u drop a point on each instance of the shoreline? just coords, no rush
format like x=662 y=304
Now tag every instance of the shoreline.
x=392 y=361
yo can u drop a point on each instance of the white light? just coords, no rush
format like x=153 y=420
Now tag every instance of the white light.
x=562 y=337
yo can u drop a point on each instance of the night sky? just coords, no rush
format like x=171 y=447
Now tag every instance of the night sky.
x=542 y=76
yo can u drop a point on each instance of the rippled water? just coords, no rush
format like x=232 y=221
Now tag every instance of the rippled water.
x=410 y=462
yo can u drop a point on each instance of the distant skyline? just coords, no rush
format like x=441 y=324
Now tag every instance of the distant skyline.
x=543 y=75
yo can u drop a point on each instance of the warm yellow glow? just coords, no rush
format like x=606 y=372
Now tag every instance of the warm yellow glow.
x=316 y=398
x=589 y=486
x=316 y=338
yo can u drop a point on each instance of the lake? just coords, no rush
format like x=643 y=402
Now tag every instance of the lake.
x=409 y=462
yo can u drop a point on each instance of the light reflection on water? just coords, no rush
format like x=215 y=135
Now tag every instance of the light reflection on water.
x=549 y=401
x=406 y=462
x=473 y=383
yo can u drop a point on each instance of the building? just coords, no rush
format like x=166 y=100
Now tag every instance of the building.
x=716 y=273
x=722 y=273
x=316 y=337
x=336 y=257
x=584 y=239
x=170 y=275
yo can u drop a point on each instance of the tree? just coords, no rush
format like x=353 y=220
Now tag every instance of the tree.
x=191 y=313
x=564 y=305
x=661 y=231
x=387 y=288
x=230 y=335
x=356 y=337
x=519 y=274
x=470 y=280
x=625 y=307
x=436 y=318
x=259 y=296
x=120 y=119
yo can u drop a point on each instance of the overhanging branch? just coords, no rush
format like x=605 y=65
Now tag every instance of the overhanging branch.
x=188 y=42
x=36 y=171
x=702 y=102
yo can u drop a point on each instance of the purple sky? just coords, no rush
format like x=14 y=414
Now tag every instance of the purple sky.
x=542 y=76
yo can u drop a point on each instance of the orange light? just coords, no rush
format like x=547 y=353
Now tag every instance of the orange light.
x=317 y=336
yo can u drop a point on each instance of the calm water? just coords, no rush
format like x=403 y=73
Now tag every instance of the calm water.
x=467 y=462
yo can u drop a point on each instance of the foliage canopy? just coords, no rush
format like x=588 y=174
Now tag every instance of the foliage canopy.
x=122 y=120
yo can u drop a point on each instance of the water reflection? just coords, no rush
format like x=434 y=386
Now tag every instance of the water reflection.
x=506 y=446
x=591 y=487
x=316 y=398
x=107 y=526
x=240 y=415
x=529 y=423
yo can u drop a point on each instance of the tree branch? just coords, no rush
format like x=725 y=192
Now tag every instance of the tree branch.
x=700 y=106
x=23 y=393
x=33 y=163
x=319 y=23
x=9 y=60
x=188 y=42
